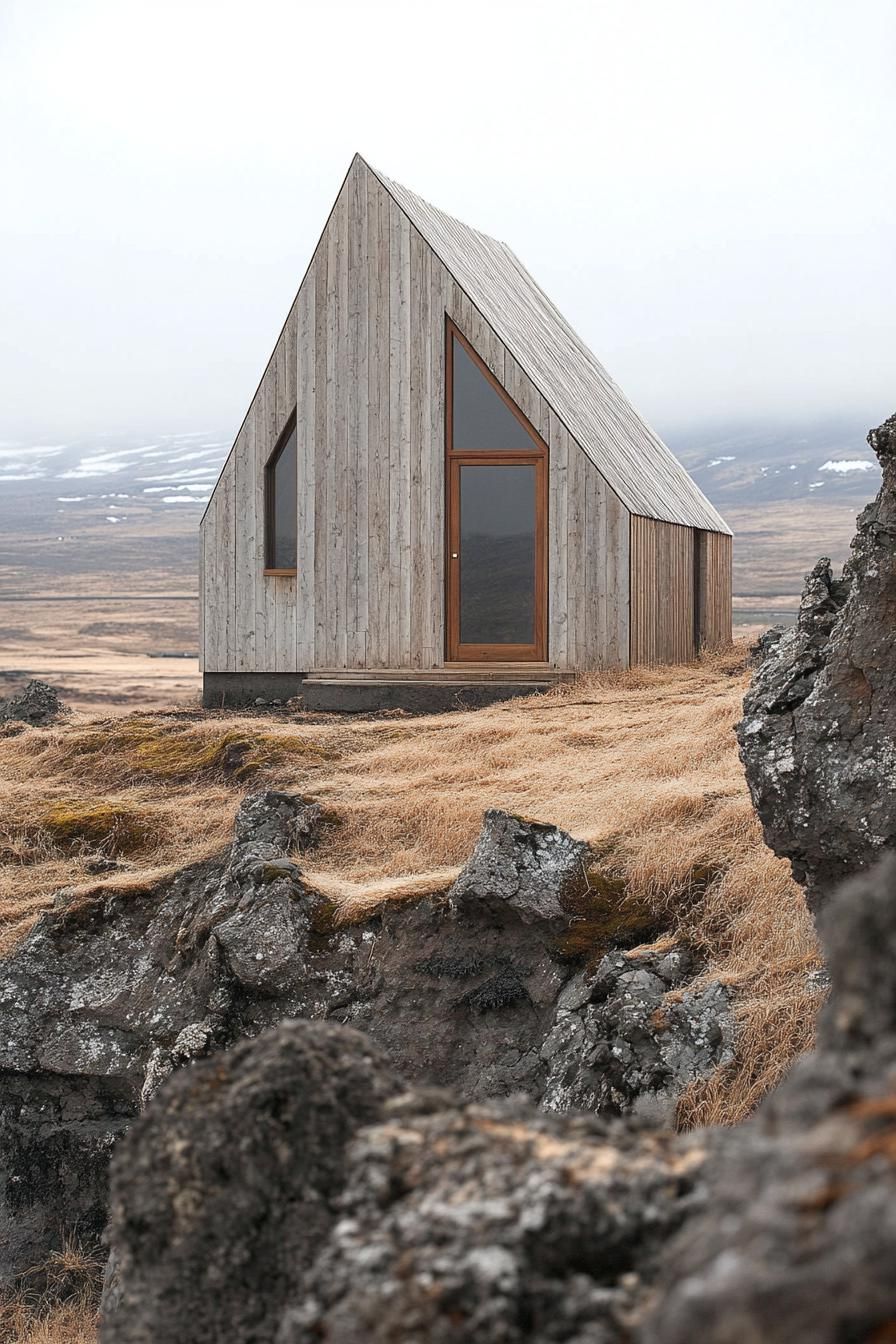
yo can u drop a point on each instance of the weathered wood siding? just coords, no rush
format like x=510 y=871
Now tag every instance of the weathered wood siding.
x=662 y=592
x=362 y=355
x=248 y=618
x=713 y=560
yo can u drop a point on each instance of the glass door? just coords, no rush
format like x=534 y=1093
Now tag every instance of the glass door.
x=497 y=543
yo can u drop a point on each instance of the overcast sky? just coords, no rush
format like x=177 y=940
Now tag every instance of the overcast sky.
x=707 y=190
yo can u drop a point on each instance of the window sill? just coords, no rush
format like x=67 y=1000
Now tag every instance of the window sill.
x=286 y=573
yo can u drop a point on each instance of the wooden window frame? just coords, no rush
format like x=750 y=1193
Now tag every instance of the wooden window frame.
x=455 y=651
x=270 y=464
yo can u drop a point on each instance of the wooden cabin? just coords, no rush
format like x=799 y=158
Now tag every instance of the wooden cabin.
x=438 y=492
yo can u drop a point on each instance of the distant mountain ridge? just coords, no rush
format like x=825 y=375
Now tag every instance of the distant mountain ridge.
x=130 y=504
x=735 y=464
x=752 y=464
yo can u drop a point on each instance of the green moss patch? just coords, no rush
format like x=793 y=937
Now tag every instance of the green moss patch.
x=604 y=917
x=115 y=828
x=158 y=751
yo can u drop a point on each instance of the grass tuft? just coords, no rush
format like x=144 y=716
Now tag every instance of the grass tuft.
x=57 y=1302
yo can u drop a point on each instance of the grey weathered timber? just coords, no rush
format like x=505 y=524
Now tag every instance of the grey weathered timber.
x=663 y=610
x=632 y=544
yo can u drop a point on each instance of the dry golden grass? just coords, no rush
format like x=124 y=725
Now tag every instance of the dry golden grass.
x=642 y=764
x=63 y=1308
x=62 y=1323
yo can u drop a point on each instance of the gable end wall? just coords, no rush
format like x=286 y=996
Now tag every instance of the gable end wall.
x=362 y=355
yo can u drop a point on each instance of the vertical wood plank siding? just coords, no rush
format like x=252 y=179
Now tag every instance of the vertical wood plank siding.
x=713 y=567
x=662 y=591
x=362 y=356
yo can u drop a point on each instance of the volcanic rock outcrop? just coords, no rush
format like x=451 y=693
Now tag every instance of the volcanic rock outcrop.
x=622 y=1042
x=112 y=992
x=226 y=1189
x=818 y=736
x=243 y=1209
x=492 y=1223
x=796 y=1238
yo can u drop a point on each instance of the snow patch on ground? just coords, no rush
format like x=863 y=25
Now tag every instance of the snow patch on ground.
x=844 y=464
x=177 y=475
x=92 y=466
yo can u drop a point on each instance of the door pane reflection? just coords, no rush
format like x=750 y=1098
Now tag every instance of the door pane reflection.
x=497 y=554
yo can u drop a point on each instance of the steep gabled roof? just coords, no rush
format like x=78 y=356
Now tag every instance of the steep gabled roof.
x=635 y=462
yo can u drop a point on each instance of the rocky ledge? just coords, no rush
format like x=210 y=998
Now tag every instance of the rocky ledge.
x=292 y=1190
x=483 y=989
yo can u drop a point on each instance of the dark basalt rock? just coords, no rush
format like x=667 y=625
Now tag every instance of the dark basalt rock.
x=796 y=1238
x=522 y=864
x=223 y=1192
x=39 y=705
x=286 y=1192
x=818 y=736
x=620 y=1044
x=492 y=1224
x=111 y=994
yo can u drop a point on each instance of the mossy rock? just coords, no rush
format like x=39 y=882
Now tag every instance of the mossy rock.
x=116 y=828
x=606 y=916
x=160 y=751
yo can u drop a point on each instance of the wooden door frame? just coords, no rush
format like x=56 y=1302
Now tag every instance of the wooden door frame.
x=455 y=651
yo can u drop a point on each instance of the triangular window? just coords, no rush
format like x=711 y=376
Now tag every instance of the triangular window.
x=482 y=421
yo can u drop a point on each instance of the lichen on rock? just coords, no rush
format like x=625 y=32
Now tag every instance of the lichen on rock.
x=622 y=1041
x=818 y=736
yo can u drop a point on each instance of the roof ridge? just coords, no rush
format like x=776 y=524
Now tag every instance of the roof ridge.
x=390 y=182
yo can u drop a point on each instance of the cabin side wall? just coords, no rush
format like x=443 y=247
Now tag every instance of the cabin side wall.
x=248 y=618
x=680 y=591
x=714 y=586
x=362 y=358
x=662 y=591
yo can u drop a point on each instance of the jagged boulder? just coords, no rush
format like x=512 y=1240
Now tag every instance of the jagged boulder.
x=111 y=993
x=818 y=736
x=224 y=1190
x=243 y=1209
x=796 y=1238
x=39 y=705
x=525 y=865
x=622 y=1041
x=492 y=1224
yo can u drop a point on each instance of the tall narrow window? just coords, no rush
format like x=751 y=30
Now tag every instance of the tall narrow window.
x=497 y=518
x=281 y=504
